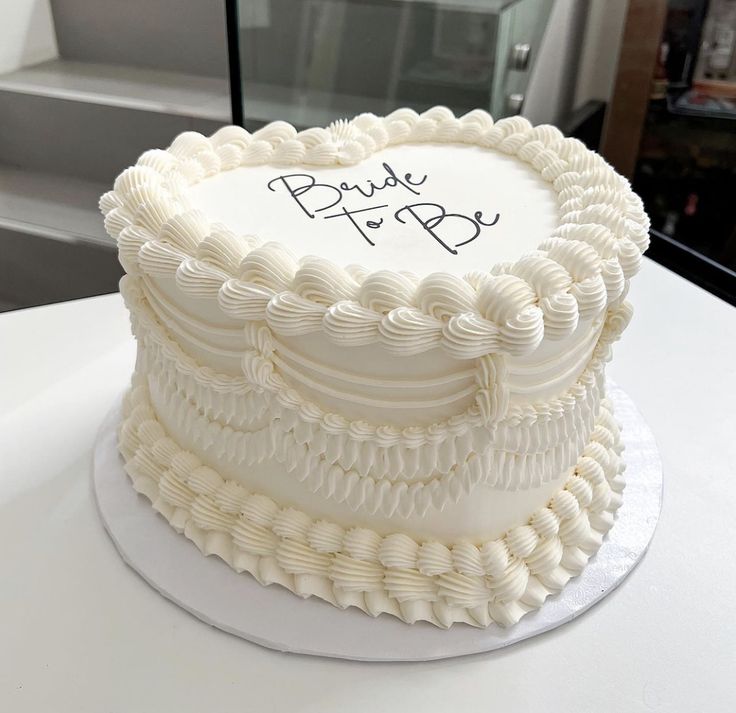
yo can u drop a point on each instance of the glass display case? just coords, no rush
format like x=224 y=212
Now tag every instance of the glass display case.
x=685 y=169
x=314 y=61
x=85 y=87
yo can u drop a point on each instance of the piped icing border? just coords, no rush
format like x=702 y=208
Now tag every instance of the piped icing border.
x=584 y=267
x=475 y=583
x=372 y=468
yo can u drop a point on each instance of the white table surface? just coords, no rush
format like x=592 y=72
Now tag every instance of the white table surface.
x=81 y=632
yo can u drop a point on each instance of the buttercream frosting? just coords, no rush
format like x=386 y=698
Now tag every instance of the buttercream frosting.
x=476 y=583
x=395 y=405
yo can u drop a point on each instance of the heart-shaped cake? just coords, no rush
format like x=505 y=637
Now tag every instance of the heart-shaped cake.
x=371 y=356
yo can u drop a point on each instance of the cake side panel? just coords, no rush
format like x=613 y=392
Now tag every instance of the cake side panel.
x=493 y=581
x=253 y=439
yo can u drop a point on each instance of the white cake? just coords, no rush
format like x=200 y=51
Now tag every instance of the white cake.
x=371 y=357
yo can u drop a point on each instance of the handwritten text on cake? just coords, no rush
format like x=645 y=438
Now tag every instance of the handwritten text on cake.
x=328 y=201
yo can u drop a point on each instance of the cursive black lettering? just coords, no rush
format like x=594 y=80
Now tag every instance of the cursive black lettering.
x=391 y=181
x=344 y=213
x=478 y=215
x=449 y=230
x=408 y=179
x=301 y=188
x=437 y=216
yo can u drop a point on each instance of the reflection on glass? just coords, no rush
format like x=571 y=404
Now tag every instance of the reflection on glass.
x=313 y=61
x=686 y=168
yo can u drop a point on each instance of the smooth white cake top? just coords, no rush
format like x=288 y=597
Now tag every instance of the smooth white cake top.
x=418 y=208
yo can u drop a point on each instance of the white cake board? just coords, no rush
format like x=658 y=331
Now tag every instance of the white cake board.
x=274 y=617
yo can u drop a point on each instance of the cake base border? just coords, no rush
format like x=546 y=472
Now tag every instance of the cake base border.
x=275 y=618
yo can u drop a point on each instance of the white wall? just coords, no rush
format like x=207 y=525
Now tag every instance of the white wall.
x=601 y=45
x=577 y=59
x=26 y=33
x=552 y=82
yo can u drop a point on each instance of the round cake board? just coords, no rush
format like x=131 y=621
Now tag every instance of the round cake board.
x=274 y=617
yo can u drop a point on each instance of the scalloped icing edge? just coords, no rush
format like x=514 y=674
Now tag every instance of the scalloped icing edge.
x=496 y=581
x=583 y=267
x=388 y=495
x=145 y=326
